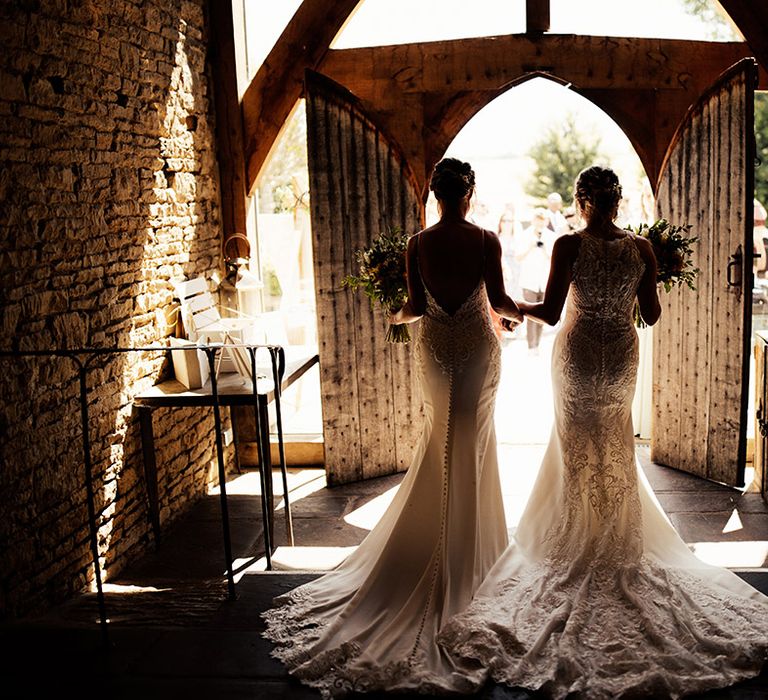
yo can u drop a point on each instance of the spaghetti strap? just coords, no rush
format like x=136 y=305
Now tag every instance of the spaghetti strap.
x=418 y=260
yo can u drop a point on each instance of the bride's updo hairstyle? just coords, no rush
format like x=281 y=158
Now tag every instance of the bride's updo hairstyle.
x=452 y=180
x=598 y=193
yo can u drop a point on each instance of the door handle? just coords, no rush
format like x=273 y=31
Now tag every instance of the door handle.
x=735 y=268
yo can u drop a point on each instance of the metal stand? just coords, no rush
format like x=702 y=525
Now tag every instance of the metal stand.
x=277 y=355
x=211 y=356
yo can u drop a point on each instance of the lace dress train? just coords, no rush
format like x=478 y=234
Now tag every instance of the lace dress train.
x=597 y=594
x=372 y=623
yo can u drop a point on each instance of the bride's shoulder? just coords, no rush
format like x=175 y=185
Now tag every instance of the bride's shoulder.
x=569 y=242
x=642 y=244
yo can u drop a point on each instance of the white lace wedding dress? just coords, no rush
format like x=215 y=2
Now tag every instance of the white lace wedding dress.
x=372 y=623
x=597 y=594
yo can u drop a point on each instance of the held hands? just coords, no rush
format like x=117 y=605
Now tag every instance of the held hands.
x=510 y=324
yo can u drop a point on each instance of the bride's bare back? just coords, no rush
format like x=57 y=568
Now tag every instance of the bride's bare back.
x=452 y=257
x=450 y=261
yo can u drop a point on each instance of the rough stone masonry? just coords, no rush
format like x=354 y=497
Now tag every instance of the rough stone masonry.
x=109 y=190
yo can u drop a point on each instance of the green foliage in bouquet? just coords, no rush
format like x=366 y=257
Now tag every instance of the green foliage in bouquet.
x=382 y=277
x=674 y=255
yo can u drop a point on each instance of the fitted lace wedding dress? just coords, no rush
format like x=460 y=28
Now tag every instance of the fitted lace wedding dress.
x=597 y=594
x=372 y=623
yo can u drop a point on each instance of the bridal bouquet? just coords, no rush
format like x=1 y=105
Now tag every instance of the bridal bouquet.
x=673 y=251
x=382 y=277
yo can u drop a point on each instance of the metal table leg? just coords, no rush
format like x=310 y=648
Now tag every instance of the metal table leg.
x=265 y=464
x=277 y=355
x=264 y=482
x=150 y=468
x=222 y=475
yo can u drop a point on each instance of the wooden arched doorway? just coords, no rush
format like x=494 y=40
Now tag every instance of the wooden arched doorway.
x=359 y=175
x=420 y=95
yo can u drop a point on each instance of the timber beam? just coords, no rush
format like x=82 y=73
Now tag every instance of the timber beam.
x=489 y=63
x=645 y=85
x=229 y=128
x=278 y=84
x=422 y=94
x=536 y=16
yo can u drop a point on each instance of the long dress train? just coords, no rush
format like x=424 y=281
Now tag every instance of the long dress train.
x=372 y=623
x=597 y=594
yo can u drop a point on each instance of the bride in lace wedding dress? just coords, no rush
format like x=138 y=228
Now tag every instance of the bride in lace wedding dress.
x=597 y=594
x=371 y=624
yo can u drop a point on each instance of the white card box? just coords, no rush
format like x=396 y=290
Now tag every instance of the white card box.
x=190 y=363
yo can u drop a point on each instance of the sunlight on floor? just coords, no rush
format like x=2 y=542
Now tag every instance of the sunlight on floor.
x=130 y=589
x=735 y=555
x=309 y=558
x=734 y=522
x=366 y=516
x=301 y=483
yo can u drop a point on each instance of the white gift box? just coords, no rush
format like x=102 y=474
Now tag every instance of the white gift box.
x=190 y=364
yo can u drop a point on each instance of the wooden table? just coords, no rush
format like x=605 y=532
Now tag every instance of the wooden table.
x=229 y=390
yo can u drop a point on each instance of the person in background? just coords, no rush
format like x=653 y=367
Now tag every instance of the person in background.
x=571 y=219
x=555 y=220
x=533 y=254
x=508 y=237
x=760 y=241
x=479 y=215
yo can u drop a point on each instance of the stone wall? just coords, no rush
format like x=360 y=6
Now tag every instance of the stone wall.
x=109 y=190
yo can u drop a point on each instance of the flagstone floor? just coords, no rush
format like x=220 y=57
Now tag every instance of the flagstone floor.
x=174 y=634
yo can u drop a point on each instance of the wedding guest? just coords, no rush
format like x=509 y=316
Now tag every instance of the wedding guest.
x=508 y=237
x=533 y=254
x=555 y=220
x=760 y=240
x=571 y=218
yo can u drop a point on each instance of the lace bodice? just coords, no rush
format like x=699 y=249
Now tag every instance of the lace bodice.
x=451 y=339
x=596 y=357
x=605 y=278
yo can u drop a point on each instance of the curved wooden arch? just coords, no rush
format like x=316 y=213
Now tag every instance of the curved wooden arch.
x=424 y=93
x=443 y=121
x=631 y=115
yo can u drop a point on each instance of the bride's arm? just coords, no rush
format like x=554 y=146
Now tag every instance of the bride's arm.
x=549 y=310
x=647 y=291
x=501 y=302
x=416 y=305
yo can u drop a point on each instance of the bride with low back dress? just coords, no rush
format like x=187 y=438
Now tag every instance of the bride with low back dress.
x=597 y=595
x=372 y=623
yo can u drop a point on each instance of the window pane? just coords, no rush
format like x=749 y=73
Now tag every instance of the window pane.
x=285 y=256
x=262 y=21
x=666 y=19
x=383 y=22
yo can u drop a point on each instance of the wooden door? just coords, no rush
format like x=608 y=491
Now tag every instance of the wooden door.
x=702 y=341
x=360 y=185
x=760 y=460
